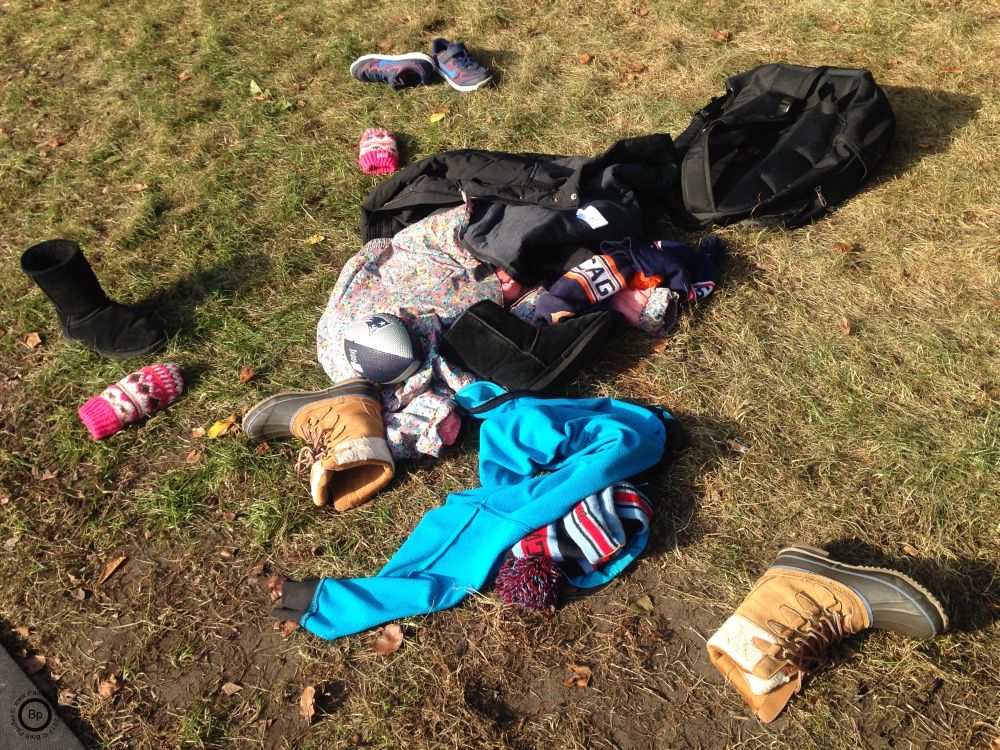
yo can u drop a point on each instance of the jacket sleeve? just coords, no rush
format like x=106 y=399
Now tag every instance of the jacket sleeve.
x=581 y=446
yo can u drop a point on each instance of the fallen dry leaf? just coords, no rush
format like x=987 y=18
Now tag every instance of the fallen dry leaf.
x=643 y=603
x=33 y=340
x=584 y=58
x=256 y=571
x=246 y=373
x=197 y=432
x=314 y=239
x=110 y=568
x=261 y=449
x=307 y=703
x=437 y=115
x=723 y=35
x=55 y=142
x=385 y=45
x=845 y=326
x=847 y=247
x=110 y=686
x=388 y=640
x=34 y=664
x=193 y=457
x=737 y=445
x=230 y=688
x=287 y=627
x=229 y=516
x=636 y=67
x=580 y=676
x=255 y=89
x=660 y=344
x=274 y=585
x=136 y=187
x=228 y=553
x=223 y=426
x=66 y=697
x=951 y=69
x=910 y=550
x=23 y=632
x=995 y=744
x=642 y=11
x=281 y=17
x=79 y=594
x=185 y=76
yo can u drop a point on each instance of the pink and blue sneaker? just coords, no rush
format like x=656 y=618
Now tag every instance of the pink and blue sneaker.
x=399 y=71
x=458 y=67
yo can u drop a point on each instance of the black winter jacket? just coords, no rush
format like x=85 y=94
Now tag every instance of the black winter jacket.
x=525 y=205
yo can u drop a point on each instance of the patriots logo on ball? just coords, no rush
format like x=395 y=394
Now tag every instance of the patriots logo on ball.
x=375 y=322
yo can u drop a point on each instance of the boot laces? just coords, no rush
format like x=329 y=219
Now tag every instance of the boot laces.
x=321 y=442
x=806 y=648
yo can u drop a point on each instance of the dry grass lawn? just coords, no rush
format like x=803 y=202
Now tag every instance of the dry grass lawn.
x=882 y=444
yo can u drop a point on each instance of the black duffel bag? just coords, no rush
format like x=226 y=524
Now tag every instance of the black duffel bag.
x=783 y=146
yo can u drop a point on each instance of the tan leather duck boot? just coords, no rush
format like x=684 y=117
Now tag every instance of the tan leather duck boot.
x=804 y=603
x=347 y=455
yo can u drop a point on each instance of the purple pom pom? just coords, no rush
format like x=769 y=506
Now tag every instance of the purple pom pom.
x=531 y=582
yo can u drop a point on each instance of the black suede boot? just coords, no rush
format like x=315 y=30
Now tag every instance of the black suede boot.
x=85 y=313
x=496 y=345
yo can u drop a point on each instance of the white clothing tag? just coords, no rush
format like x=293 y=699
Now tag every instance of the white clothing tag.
x=592 y=216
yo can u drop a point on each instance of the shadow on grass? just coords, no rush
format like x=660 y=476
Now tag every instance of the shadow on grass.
x=177 y=305
x=494 y=59
x=43 y=680
x=968 y=588
x=927 y=122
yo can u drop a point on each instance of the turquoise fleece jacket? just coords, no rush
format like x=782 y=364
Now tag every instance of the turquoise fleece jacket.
x=538 y=457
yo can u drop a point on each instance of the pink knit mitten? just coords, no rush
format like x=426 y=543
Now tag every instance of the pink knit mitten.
x=132 y=398
x=379 y=154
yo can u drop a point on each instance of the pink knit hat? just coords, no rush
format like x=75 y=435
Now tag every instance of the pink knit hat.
x=379 y=154
x=135 y=396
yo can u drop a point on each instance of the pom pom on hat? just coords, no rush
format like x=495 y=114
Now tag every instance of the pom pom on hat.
x=379 y=153
x=531 y=582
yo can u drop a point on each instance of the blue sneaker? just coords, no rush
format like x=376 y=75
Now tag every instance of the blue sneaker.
x=399 y=71
x=458 y=67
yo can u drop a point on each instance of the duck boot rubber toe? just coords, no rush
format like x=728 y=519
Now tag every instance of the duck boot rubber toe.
x=802 y=605
x=347 y=455
x=86 y=314
x=271 y=419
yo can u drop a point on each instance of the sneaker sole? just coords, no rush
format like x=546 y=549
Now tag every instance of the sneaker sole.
x=822 y=557
x=460 y=87
x=271 y=419
x=407 y=56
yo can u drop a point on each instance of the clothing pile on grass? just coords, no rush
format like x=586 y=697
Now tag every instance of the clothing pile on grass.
x=485 y=282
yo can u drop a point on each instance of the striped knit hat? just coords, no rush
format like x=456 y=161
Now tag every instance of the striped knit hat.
x=379 y=154
x=596 y=531
x=132 y=398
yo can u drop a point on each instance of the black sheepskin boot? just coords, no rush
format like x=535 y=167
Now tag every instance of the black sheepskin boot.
x=85 y=312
